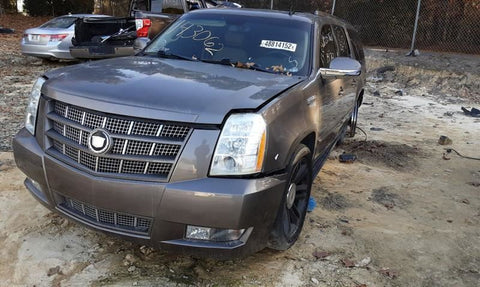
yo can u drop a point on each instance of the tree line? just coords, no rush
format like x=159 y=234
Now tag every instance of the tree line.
x=452 y=25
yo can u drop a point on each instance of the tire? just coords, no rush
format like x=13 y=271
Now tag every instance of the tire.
x=342 y=136
x=293 y=208
x=353 y=120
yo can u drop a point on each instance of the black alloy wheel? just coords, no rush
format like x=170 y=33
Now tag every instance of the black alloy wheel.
x=353 y=120
x=293 y=208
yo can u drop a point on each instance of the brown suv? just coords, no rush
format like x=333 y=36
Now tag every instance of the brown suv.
x=207 y=141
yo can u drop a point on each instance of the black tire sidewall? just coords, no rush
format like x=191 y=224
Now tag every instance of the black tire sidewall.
x=353 y=125
x=278 y=239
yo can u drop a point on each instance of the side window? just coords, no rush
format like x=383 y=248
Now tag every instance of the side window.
x=356 y=45
x=140 y=5
x=156 y=6
x=194 y=4
x=328 y=49
x=170 y=6
x=342 y=43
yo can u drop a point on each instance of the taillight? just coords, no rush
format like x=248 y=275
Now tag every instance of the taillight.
x=57 y=37
x=142 y=26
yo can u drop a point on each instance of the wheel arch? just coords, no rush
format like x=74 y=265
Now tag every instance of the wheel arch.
x=360 y=97
x=307 y=139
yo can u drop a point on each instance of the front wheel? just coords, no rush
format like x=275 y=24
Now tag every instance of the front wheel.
x=353 y=120
x=293 y=207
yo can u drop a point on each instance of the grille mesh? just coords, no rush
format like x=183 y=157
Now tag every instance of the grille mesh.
x=137 y=147
x=125 y=222
x=131 y=137
x=130 y=166
x=147 y=129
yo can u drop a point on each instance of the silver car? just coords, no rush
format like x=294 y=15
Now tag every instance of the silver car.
x=53 y=38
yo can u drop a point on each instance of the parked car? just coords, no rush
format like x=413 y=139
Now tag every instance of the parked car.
x=116 y=36
x=53 y=38
x=207 y=141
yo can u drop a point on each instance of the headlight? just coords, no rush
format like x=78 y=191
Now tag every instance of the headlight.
x=31 y=115
x=241 y=146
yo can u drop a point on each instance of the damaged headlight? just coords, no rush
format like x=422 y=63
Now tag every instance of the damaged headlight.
x=241 y=146
x=31 y=114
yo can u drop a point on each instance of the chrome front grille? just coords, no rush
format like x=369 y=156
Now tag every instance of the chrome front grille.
x=109 y=219
x=141 y=148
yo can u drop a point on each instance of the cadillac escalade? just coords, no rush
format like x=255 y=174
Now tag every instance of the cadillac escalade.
x=207 y=141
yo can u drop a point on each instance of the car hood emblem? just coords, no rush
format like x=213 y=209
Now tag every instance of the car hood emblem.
x=99 y=141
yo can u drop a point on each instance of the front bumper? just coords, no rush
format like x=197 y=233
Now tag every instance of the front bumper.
x=249 y=204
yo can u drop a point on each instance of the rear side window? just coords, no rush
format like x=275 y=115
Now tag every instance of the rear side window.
x=169 y=6
x=159 y=6
x=342 y=43
x=60 y=22
x=328 y=49
x=356 y=45
x=140 y=5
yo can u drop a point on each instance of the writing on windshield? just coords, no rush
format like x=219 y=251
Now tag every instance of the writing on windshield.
x=198 y=33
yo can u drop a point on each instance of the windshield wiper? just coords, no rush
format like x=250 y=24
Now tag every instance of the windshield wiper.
x=168 y=55
x=237 y=64
x=225 y=62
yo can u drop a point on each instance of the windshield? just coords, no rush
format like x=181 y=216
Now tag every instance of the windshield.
x=60 y=22
x=265 y=44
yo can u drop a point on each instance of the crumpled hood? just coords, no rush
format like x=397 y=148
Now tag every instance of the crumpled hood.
x=165 y=89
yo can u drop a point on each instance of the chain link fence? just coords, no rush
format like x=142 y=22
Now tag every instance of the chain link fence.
x=443 y=25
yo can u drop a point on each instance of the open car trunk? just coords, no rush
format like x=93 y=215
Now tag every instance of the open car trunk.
x=103 y=37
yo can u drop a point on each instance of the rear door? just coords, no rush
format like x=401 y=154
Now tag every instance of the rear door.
x=348 y=87
x=329 y=92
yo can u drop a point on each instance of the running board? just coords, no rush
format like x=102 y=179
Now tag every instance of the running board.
x=320 y=161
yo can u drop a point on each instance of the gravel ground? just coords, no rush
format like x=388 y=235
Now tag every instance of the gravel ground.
x=17 y=75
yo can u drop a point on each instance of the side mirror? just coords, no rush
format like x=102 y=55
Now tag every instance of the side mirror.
x=140 y=43
x=342 y=67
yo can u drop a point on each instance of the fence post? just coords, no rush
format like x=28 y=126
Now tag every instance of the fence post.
x=412 y=47
x=333 y=6
x=271 y=4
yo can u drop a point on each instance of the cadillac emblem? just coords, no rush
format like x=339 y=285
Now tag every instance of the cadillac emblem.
x=99 y=141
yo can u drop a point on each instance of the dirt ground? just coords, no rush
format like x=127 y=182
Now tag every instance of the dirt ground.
x=403 y=214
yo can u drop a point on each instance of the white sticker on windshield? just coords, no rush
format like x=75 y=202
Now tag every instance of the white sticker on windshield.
x=270 y=44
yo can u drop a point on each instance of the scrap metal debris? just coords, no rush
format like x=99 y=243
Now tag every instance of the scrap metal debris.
x=473 y=112
x=347 y=158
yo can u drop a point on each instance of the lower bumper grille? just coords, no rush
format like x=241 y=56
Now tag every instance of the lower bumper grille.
x=104 y=218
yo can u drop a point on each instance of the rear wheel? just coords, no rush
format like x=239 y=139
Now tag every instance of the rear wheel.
x=293 y=208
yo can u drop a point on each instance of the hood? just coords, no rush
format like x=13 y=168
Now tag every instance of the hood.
x=166 y=89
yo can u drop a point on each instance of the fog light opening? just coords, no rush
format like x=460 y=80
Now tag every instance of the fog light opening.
x=212 y=234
